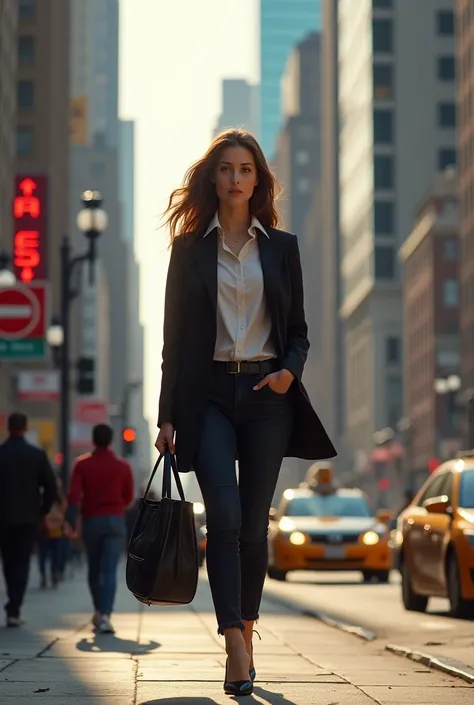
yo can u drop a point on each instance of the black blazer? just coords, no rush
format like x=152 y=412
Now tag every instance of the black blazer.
x=190 y=337
x=27 y=483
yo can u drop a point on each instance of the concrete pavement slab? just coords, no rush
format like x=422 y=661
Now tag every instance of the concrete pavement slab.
x=67 y=688
x=282 y=694
x=462 y=695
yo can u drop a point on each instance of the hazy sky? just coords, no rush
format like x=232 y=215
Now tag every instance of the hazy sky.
x=173 y=55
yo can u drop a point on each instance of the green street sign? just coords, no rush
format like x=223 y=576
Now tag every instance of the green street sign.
x=25 y=349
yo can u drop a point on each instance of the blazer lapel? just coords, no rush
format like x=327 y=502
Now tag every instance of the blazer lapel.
x=206 y=260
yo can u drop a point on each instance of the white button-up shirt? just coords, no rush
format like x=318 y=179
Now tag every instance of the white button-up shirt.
x=243 y=321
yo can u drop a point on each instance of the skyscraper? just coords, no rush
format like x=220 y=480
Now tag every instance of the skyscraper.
x=465 y=51
x=283 y=23
x=397 y=120
x=8 y=65
x=239 y=106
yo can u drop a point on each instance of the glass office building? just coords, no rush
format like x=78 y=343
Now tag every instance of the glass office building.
x=283 y=23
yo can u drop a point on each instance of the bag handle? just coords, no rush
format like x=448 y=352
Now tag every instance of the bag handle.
x=169 y=465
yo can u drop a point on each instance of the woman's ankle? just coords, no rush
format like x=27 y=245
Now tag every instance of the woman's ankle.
x=234 y=640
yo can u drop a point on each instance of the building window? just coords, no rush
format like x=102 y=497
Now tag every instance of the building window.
x=446 y=159
x=24 y=141
x=447 y=114
x=383 y=218
x=450 y=250
x=383 y=172
x=446 y=68
x=383 y=126
x=383 y=81
x=27 y=9
x=445 y=23
x=302 y=157
x=26 y=50
x=451 y=293
x=26 y=94
x=303 y=185
x=382 y=36
x=393 y=351
x=395 y=400
x=384 y=262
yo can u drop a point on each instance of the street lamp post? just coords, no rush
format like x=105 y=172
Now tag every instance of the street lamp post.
x=92 y=221
x=449 y=387
x=406 y=431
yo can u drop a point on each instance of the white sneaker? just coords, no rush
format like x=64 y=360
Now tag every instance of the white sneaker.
x=15 y=622
x=105 y=626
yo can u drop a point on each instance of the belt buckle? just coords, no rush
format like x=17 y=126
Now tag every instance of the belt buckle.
x=235 y=362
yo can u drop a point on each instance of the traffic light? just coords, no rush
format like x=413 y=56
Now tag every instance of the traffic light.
x=128 y=441
x=86 y=377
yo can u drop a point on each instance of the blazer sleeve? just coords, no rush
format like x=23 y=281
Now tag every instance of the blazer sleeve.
x=171 y=335
x=297 y=329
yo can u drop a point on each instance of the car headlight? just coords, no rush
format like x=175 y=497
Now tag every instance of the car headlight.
x=286 y=524
x=370 y=538
x=297 y=538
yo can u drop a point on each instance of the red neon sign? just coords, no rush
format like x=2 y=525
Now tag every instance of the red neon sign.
x=29 y=239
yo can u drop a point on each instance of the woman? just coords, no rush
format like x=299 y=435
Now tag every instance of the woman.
x=235 y=343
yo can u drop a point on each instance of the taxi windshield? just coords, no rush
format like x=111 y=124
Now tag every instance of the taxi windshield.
x=333 y=505
x=466 y=491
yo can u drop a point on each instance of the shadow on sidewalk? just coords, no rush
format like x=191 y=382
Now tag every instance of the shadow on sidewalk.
x=102 y=643
x=266 y=697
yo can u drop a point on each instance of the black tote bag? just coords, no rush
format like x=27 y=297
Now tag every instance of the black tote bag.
x=162 y=563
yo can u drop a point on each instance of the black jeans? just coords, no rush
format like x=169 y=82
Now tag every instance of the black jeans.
x=253 y=427
x=16 y=546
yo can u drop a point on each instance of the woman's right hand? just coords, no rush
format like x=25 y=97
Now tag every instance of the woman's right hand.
x=165 y=439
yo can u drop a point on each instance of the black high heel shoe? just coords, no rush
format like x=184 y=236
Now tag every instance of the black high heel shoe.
x=237 y=687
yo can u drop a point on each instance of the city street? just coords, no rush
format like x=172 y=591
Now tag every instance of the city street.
x=167 y=656
x=378 y=609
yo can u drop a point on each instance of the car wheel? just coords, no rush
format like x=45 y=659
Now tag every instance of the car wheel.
x=383 y=576
x=459 y=606
x=276 y=573
x=412 y=601
x=367 y=576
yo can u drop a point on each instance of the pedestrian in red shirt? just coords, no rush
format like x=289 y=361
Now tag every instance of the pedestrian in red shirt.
x=102 y=487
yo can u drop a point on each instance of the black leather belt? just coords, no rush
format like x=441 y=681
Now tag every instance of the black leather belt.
x=256 y=367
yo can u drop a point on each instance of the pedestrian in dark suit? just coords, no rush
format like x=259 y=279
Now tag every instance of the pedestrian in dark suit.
x=27 y=491
x=235 y=344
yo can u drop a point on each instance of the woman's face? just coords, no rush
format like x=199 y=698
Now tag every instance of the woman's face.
x=236 y=176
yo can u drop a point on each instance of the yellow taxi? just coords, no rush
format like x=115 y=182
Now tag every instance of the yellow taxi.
x=320 y=527
x=434 y=541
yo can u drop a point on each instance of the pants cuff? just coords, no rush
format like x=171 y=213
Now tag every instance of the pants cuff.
x=254 y=618
x=230 y=625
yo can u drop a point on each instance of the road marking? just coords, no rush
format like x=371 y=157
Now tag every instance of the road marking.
x=438 y=625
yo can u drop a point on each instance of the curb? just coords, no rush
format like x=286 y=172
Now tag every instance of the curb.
x=438 y=663
x=324 y=617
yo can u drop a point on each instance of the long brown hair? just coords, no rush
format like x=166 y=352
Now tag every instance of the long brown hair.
x=192 y=206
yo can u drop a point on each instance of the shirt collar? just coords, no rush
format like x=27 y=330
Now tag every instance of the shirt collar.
x=254 y=224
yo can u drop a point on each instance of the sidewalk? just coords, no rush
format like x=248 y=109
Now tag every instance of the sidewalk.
x=170 y=656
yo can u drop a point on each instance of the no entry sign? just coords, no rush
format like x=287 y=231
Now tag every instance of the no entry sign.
x=23 y=321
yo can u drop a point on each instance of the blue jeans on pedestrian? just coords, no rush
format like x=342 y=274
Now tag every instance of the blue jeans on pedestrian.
x=253 y=427
x=104 y=538
x=50 y=548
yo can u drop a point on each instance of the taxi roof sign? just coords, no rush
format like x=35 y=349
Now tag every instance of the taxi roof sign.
x=465 y=454
x=320 y=477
